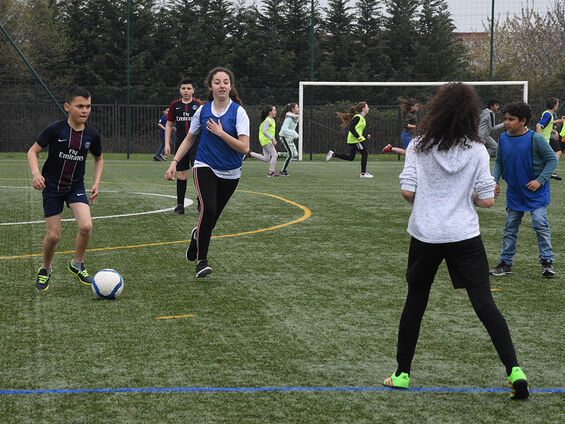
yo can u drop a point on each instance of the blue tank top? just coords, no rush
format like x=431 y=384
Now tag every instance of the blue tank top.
x=517 y=171
x=212 y=150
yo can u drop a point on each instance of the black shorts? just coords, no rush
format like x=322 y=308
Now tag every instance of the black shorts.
x=187 y=161
x=557 y=145
x=466 y=262
x=53 y=200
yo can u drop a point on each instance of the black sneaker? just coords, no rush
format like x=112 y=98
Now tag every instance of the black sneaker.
x=283 y=174
x=547 y=270
x=555 y=177
x=81 y=273
x=179 y=210
x=203 y=269
x=42 y=280
x=156 y=158
x=501 y=269
x=191 y=251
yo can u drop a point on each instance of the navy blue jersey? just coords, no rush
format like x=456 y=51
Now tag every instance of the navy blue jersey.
x=65 y=164
x=181 y=114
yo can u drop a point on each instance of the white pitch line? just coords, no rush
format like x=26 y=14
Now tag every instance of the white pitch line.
x=187 y=202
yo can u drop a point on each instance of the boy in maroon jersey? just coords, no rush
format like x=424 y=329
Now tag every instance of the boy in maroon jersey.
x=62 y=180
x=181 y=112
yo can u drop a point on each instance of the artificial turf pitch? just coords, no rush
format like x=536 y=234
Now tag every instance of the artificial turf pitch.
x=297 y=323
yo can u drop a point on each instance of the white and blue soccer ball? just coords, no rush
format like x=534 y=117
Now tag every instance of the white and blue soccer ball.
x=107 y=284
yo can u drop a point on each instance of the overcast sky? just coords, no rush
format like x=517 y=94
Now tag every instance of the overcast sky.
x=468 y=15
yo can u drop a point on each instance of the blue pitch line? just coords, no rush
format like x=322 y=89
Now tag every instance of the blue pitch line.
x=267 y=389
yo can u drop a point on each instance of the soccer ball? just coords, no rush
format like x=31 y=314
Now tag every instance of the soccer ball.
x=107 y=284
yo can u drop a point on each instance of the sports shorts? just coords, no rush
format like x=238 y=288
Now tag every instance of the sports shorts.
x=557 y=145
x=53 y=200
x=406 y=138
x=187 y=161
x=466 y=262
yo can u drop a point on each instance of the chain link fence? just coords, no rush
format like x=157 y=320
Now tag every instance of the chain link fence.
x=26 y=109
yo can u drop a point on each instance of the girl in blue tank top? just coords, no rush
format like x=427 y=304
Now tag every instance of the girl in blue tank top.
x=223 y=126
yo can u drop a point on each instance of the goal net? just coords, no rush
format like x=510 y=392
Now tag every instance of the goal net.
x=319 y=127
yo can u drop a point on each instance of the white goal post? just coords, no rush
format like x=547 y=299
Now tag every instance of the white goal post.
x=301 y=85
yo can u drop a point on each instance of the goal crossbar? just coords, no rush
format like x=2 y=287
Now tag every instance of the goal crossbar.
x=302 y=84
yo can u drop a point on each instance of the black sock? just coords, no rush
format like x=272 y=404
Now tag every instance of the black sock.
x=399 y=371
x=181 y=191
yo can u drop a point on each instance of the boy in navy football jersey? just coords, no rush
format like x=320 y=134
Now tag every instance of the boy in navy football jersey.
x=181 y=112
x=62 y=180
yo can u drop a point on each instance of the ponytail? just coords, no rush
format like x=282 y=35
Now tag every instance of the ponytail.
x=347 y=117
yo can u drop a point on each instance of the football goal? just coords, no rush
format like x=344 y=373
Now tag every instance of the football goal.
x=319 y=127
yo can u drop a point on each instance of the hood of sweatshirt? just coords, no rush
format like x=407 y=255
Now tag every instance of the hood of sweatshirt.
x=293 y=116
x=452 y=160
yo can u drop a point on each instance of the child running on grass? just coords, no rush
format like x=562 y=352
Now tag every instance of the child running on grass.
x=446 y=174
x=267 y=139
x=62 y=181
x=223 y=126
x=354 y=121
x=288 y=134
x=410 y=109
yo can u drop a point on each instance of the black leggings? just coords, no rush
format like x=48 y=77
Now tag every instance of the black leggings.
x=420 y=276
x=213 y=193
x=353 y=148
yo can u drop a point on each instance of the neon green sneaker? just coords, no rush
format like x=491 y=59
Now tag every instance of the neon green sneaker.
x=82 y=274
x=42 y=280
x=518 y=384
x=400 y=382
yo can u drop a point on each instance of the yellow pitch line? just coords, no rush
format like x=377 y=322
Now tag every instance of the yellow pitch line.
x=177 y=316
x=495 y=289
x=307 y=214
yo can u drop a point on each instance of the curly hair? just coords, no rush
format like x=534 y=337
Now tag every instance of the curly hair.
x=452 y=117
x=348 y=116
x=520 y=110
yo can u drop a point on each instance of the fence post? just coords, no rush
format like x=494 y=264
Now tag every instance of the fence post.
x=36 y=108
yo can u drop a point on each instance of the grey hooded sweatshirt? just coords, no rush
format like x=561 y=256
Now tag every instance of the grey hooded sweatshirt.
x=443 y=183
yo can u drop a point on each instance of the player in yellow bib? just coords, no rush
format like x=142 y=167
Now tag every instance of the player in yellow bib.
x=545 y=128
x=267 y=139
x=354 y=121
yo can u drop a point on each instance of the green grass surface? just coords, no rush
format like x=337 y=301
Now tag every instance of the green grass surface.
x=315 y=303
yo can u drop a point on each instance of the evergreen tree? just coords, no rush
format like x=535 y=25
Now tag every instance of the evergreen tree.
x=247 y=57
x=274 y=58
x=97 y=30
x=373 y=64
x=295 y=42
x=401 y=36
x=338 y=43
x=438 y=55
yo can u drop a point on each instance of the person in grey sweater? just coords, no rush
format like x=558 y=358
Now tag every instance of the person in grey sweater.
x=486 y=125
x=446 y=174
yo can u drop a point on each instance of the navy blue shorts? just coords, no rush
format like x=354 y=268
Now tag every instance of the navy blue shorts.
x=53 y=200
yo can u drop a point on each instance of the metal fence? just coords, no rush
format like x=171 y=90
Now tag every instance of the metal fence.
x=26 y=112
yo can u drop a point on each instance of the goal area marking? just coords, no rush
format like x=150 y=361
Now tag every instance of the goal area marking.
x=302 y=84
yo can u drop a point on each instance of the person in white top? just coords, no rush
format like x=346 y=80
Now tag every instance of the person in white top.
x=223 y=126
x=446 y=174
